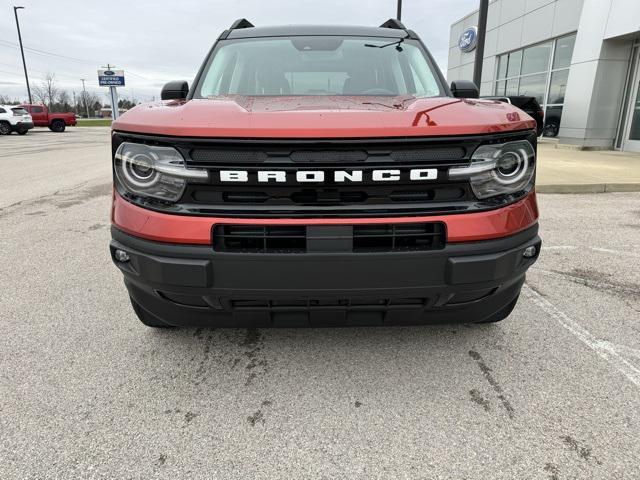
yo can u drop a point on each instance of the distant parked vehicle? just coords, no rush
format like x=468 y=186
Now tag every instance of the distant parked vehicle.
x=14 y=119
x=57 y=122
x=552 y=122
x=529 y=105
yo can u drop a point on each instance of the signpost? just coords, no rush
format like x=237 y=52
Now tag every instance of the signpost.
x=112 y=79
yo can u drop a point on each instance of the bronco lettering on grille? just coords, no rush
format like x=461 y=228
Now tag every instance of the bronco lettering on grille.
x=337 y=176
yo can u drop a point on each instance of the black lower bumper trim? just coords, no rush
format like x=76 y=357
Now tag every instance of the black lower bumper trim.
x=193 y=285
x=22 y=126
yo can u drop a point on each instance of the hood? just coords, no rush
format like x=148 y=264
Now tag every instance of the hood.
x=323 y=117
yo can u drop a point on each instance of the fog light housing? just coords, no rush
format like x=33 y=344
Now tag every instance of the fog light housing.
x=121 y=256
x=530 y=252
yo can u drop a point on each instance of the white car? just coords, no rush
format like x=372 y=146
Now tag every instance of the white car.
x=14 y=119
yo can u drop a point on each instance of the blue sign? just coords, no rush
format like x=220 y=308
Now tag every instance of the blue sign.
x=468 y=39
x=111 y=78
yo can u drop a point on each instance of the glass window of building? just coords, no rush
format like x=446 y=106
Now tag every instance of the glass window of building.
x=515 y=59
x=539 y=71
x=558 y=86
x=533 y=86
x=564 y=51
x=536 y=59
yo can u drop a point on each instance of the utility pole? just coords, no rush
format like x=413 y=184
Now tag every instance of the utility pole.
x=399 y=14
x=482 y=30
x=113 y=94
x=24 y=63
x=86 y=106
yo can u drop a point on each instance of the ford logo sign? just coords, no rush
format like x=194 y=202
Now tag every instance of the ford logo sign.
x=468 y=39
x=109 y=72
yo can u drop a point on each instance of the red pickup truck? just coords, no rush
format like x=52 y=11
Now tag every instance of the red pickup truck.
x=56 y=122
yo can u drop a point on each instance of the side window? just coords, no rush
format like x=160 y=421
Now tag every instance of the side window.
x=36 y=110
x=220 y=73
x=425 y=83
x=2 y=110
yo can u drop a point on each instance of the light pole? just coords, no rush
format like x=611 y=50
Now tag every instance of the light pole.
x=399 y=14
x=482 y=30
x=24 y=63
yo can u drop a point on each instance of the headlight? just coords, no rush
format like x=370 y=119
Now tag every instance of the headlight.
x=499 y=169
x=156 y=172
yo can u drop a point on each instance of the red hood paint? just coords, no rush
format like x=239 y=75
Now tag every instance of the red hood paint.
x=323 y=117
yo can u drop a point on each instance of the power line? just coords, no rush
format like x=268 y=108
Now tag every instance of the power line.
x=44 y=52
x=40 y=71
x=37 y=51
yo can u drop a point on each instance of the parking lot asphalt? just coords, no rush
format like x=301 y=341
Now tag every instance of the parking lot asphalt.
x=553 y=392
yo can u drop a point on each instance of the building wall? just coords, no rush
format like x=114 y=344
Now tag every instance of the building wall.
x=606 y=31
x=599 y=68
x=511 y=24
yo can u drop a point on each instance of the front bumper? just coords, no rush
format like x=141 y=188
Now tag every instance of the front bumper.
x=191 y=285
x=22 y=126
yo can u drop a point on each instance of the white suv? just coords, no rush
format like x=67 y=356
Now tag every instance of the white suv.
x=14 y=119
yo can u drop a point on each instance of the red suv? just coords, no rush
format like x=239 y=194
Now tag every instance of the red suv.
x=323 y=175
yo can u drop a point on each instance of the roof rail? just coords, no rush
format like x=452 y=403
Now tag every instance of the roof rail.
x=241 y=23
x=393 y=23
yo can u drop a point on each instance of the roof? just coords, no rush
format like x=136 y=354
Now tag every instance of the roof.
x=299 y=30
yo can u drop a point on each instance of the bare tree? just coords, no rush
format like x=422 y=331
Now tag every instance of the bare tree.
x=47 y=91
x=63 y=102
x=87 y=103
x=6 y=100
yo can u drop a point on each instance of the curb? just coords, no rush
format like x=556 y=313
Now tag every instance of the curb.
x=589 y=188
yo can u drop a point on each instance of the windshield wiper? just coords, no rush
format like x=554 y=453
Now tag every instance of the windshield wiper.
x=396 y=43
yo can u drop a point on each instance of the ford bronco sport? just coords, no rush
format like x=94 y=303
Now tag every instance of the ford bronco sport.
x=323 y=175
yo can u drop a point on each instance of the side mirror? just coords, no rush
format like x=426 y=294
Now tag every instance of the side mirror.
x=177 y=90
x=464 y=89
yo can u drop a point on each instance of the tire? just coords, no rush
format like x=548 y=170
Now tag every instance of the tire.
x=147 y=318
x=5 y=128
x=23 y=132
x=57 y=126
x=501 y=314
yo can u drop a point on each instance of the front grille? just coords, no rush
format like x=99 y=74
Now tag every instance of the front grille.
x=401 y=237
x=329 y=198
x=340 y=194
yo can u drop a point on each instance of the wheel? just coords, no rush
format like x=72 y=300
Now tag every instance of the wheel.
x=502 y=314
x=57 y=126
x=5 y=128
x=147 y=318
x=22 y=132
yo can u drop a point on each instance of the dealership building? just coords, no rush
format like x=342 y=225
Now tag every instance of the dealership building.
x=579 y=58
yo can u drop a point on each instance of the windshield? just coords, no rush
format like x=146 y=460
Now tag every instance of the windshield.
x=319 y=65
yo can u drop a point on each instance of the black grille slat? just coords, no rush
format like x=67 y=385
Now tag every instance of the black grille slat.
x=314 y=156
x=358 y=154
x=262 y=239
x=427 y=154
x=297 y=239
x=281 y=196
x=229 y=155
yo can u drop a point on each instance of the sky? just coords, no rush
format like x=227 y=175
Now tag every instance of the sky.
x=158 y=41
